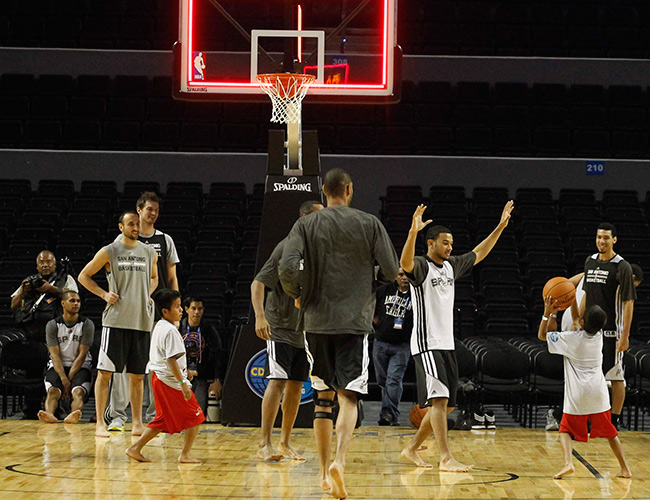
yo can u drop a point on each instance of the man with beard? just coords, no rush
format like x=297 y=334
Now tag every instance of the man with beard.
x=132 y=275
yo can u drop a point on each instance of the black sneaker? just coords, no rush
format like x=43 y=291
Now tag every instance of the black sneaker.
x=490 y=420
x=477 y=421
x=384 y=420
x=394 y=423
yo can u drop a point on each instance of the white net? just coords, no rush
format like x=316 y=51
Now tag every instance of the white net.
x=286 y=92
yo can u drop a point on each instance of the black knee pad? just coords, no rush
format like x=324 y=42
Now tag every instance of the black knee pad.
x=328 y=403
x=324 y=414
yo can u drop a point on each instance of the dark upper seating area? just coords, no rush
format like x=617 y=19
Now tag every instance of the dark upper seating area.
x=554 y=28
x=475 y=118
x=546 y=237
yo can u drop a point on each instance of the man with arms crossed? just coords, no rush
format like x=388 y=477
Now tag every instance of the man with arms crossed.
x=432 y=342
x=609 y=283
x=287 y=366
x=340 y=246
x=131 y=271
x=69 y=338
x=148 y=208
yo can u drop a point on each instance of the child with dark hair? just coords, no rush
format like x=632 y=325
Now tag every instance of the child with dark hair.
x=585 y=390
x=176 y=406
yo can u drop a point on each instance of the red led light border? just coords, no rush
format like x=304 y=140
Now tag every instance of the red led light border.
x=243 y=85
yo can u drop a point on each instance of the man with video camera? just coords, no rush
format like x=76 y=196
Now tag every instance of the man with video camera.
x=34 y=303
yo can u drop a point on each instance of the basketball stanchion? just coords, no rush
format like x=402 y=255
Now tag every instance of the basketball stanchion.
x=287 y=90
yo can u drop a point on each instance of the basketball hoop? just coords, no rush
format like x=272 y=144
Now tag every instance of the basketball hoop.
x=286 y=90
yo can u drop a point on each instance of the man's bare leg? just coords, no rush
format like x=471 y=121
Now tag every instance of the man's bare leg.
x=270 y=407
x=567 y=452
x=438 y=421
x=618 y=396
x=410 y=452
x=185 y=457
x=615 y=445
x=51 y=403
x=135 y=450
x=101 y=396
x=76 y=406
x=136 y=390
x=323 y=430
x=345 y=423
x=290 y=405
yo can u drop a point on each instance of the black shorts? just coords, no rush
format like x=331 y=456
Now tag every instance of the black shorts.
x=340 y=361
x=121 y=347
x=612 y=360
x=81 y=379
x=437 y=376
x=286 y=362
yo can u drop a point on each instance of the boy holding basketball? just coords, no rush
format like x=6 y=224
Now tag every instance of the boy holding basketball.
x=176 y=406
x=585 y=390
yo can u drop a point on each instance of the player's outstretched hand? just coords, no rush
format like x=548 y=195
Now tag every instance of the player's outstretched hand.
x=417 y=225
x=262 y=328
x=507 y=212
x=550 y=306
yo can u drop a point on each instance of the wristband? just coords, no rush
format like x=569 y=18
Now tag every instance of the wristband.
x=552 y=315
x=544 y=318
x=184 y=382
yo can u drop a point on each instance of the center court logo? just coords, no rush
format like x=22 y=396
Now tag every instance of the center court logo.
x=256 y=380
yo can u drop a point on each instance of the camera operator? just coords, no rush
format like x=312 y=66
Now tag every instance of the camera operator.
x=34 y=303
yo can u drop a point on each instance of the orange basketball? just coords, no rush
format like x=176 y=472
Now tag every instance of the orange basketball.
x=561 y=290
x=416 y=415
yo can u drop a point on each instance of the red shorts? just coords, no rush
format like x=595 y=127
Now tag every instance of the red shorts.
x=576 y=426
x=173 y=413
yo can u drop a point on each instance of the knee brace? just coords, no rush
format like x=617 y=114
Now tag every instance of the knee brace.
x=328 y=403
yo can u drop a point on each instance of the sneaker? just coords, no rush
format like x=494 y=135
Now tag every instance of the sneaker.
x=490 y=420
x=551 y=421
x=477 y=421
x=384 y=420
x=394 y=423
x=116 y=425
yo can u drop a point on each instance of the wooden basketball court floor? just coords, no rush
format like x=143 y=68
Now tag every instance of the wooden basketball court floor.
x=43 y=461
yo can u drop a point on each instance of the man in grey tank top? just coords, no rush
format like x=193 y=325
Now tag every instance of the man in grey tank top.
x=131 y=272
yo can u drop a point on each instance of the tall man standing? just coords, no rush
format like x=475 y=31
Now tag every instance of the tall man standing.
x=148 y=208
x=131 y=271
x=287 y=366
x=609 y=283
x=433 y=279
x=335 y=291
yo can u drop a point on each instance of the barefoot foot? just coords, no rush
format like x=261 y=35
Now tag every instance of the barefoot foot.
x=624 y=473
x=73 y=417
x=46 y=417
x=453 y=465
x=268 y=454
x=186 y=459
x=325 y=483
x=137 y=430
x=568 y=469
x=414 y=457
x=288 y=451
x=338 y=485
x=136 y=455
x=101 y=430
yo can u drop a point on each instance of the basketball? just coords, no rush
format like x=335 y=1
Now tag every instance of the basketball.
x=561 y=290
x=416 y=415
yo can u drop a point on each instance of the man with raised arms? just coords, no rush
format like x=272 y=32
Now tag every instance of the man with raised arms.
x=340 y=247
x=432 y=279
x=131 y=272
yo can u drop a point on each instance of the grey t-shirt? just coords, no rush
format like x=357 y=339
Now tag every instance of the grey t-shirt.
x=340 y=246
x=130 y=277
x=279 y=309
x=68 y=337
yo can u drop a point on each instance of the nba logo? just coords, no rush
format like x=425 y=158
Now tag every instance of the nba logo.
x=198 y=66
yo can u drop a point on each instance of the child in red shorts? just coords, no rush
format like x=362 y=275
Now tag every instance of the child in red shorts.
x=176 y=405
x=585 y=389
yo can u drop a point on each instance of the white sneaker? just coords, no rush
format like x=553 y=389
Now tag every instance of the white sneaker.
x=551 y=422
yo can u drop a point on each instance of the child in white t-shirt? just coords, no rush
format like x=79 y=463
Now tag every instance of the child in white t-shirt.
x=585 y=390
x=176 y=405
